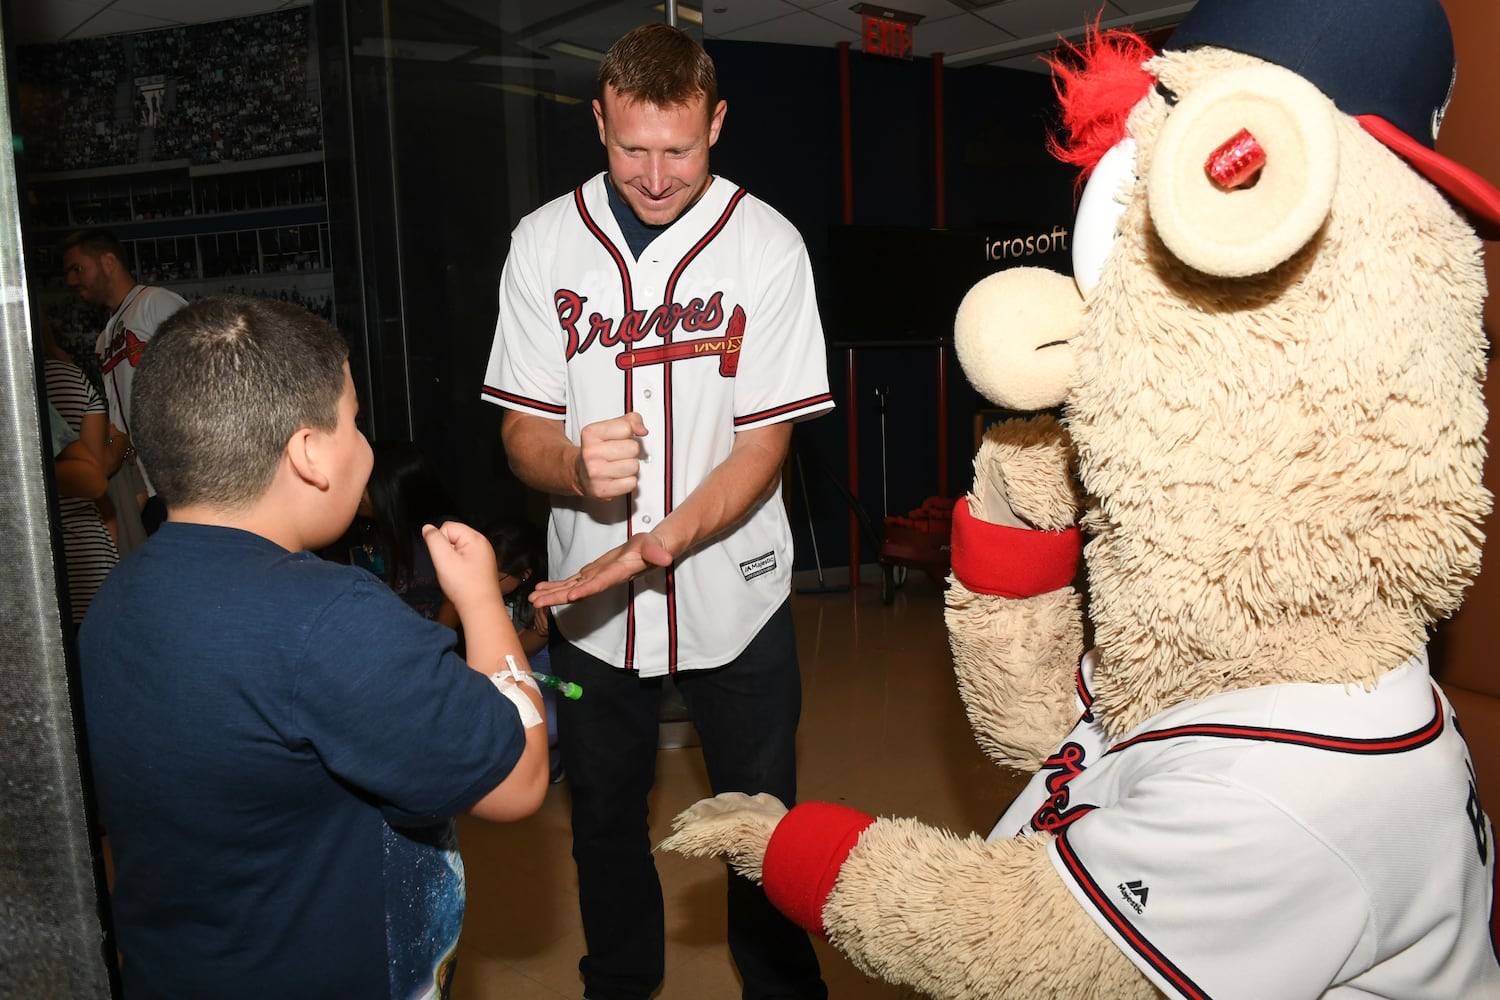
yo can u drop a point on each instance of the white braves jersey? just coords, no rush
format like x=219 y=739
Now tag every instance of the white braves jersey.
x=714 y=330
x=123 y=339
x=1298 y=840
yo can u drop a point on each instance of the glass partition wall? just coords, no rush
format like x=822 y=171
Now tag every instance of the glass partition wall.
x=442 y=123
x=54 y=922
x=442 y=129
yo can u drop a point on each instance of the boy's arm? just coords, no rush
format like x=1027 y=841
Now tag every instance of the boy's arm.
x=466 y=569
x=534 y=636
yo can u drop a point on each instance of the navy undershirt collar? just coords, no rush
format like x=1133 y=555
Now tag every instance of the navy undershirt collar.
x=638 y=235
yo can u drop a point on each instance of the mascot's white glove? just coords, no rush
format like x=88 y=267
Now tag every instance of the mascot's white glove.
x=796 y=854
x=732 y=826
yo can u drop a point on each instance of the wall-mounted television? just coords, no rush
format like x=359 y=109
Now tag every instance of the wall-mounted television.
x=897 y=285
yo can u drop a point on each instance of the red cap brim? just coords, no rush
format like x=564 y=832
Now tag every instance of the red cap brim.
x=1479 y=199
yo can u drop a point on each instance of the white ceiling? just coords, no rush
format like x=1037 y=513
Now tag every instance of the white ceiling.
x=966 y=32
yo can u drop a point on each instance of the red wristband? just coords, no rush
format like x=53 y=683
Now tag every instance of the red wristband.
x=806 y=853
x=1011 y=562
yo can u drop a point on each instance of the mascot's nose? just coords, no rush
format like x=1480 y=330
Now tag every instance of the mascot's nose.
x=1013 y=335
x=1099 y=209
x=1243 y=171
x=1237 y=163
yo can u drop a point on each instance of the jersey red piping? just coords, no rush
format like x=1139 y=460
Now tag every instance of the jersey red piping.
x=1419 y=737
x=1139 y=944
x=552 y=409
x=670 y=502
x=628 y=296
x=783 y=409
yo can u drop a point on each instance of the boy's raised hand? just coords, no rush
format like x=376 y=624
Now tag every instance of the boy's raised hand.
x=465 y=565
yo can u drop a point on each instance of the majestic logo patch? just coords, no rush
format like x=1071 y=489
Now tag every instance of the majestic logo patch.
x=759 y=566
x=1134 y=893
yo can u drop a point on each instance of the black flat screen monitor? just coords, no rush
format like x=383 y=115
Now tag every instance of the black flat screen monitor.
x=897 y=286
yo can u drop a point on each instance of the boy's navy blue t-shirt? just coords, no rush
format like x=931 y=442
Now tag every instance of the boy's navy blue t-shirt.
x=278 y=746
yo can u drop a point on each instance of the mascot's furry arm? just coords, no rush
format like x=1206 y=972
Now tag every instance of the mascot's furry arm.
x=952 y=916
x=1014 y=621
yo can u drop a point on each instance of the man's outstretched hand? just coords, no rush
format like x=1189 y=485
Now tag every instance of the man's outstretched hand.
x=619 y=565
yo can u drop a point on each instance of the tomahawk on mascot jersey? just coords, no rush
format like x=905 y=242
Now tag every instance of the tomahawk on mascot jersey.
x=1272 y=434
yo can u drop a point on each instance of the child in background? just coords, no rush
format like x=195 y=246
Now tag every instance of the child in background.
x=403 y=495
x=521 y=555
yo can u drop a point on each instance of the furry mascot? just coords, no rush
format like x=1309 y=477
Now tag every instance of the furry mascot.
x=1270 y=368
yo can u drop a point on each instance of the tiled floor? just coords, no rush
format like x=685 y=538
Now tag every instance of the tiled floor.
x=882 y=730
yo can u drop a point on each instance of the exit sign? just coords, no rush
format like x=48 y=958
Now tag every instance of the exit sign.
x=887 y=38
x=886 y=32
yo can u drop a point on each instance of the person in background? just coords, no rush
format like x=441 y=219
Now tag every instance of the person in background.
x=658 y=334
x=521 y=554
x=401 y=496
x=77 y=472
x=94 y=265
x=278 y=744
x=88 y=548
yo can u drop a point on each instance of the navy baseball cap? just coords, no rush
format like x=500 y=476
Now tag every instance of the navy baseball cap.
x=1387 y=63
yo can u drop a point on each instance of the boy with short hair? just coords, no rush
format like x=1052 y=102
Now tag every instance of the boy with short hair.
x=278 y=743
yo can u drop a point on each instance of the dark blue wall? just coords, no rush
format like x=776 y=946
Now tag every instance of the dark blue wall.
x=458 y=195
x=782 y=140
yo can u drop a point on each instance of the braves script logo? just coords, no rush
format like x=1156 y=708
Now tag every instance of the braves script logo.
x=637 y=324
x=1068 y=763
x=124 y=346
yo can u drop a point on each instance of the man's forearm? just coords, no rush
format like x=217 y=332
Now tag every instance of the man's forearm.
x=540 y=453
x=743 y=480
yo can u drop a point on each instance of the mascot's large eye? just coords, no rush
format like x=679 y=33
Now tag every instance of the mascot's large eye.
x=1167 y=94
x=1099 y=211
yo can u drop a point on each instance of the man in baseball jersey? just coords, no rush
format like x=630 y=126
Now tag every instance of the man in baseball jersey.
x=658 y=335
x=94 y=266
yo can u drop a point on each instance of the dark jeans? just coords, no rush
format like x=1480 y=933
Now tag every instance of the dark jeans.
x=746 y=714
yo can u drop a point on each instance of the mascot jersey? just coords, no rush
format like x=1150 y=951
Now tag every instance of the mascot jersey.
x=1216 y=843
